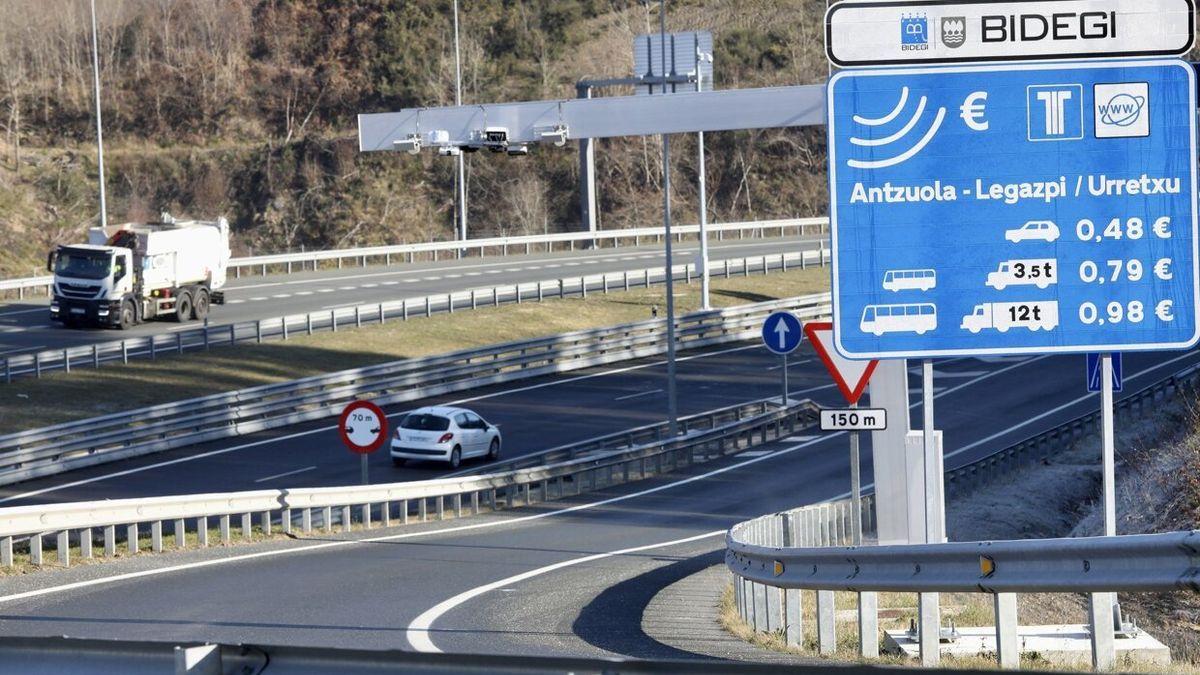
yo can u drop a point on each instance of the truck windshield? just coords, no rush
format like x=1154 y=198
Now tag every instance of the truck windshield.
x=82 y=264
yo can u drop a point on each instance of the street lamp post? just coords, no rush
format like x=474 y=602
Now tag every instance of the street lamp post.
x=99 y=123
x=461 y=182
x=672 y=401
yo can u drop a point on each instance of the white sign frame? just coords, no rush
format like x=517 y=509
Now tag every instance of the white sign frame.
x=860 y=33
x=877 y=417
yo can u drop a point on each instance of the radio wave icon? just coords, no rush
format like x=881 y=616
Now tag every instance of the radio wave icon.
x=888 y=140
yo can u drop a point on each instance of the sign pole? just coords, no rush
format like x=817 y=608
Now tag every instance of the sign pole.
x=855 y=489
x=1106 y=413
x=785 y=382
x=930 y=635
x=365 y=479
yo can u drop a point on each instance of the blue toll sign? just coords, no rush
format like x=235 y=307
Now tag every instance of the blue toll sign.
x=1014 y=209
x=782 y=332
x=1094 y=381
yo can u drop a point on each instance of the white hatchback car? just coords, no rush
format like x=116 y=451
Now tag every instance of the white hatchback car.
x=1034 y=230
x=443 y=434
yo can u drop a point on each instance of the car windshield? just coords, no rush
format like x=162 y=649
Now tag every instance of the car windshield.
x=82 y=264
x=425 y=422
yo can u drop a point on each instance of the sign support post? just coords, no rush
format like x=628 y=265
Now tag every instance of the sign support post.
x=363 y=428
x=856 y=536
x=783 y=401
x=365 y=477
x=929 y=605
x=1104 y=651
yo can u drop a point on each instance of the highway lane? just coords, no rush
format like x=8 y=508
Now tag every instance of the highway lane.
x=533 y=415
x=26 y=327
x=542 y=580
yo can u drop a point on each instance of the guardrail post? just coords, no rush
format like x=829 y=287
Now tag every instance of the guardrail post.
x=423 y=509
x=35 y=549
x=258 y=331
x=332 y=320
x=366 y=516
x=85 y=543
x=826 y=626
x=357 y=317
x=929 y=628
x=66 y=360
x=96 y=356
x=625 y=279
x=6 y=554
x=63 y=547
x=156 y=536
x=131 y=538
x=403 y=511
x=474 y=305
x=539 y=284
x=760 y=607
x=474 y=503
x=179 y=342
x=153 y=354
x=307 y=323
x=560 y=288
x=868 y=624
x=110 y=541
x=266 y=523
x=327 y=519
x=306 y=521
x=180 y=532
x=441 y=507
x=793 y=614
x=382 y=318
x=458 y=506
x=1100 y=618
x=226 y=538
x=450 y=303
x=285 y=521
x=7 y=371
x=346 y=518
x=583 y=286
x=1008 y=649
x=726 y=268
x=404 y=310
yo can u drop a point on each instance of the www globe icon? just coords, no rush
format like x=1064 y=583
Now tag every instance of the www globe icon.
x=1122 y=110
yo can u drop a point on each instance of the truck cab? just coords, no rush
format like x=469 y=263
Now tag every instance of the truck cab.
x=90 y=283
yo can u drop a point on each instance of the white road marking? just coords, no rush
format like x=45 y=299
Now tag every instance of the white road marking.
x=949 y=373
x=282 y=296
x=304 y=292
x=482 y=397
x=348 y=288
x=753 y=453
x=791 y=364
x=234 y=302
x=386 y=283
x=23 y=349
x=644 y=393
x=411 y=281
x=287 y=473
x=453 y=276
x=474 y=274
x=25 y=311
x=369 y=286
x=418 y=629
x=326 y=290
x=258 y=299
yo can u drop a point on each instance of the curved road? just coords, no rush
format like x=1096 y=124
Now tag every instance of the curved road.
x=26 y=326
x=564 y=578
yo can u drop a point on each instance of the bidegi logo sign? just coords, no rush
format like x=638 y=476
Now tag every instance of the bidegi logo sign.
x=883 y=32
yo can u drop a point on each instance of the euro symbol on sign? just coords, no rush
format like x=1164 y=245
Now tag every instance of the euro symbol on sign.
x=972 y=111
x=1162 y=269
x=1163 y=311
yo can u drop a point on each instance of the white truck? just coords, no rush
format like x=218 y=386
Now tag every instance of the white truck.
x=134 y=272
x=1035 y=316
x=1040 y=272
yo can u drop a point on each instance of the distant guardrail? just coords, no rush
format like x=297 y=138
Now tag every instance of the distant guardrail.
x=387 y=504
x=51 y=450
x=306 y=260
x=203 y=338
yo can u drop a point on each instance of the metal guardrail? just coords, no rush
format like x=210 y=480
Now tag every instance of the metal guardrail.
x=1046 y=444
x=206 y=337
x=52 y=450
x=288 y=262
x=297 y=509
x=768 y=595
x=772 y=558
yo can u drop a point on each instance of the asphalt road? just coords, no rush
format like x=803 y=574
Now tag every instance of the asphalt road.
x=26 y=327
x=565 y=578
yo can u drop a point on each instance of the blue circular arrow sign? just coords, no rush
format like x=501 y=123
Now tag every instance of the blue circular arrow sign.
x=781 y=332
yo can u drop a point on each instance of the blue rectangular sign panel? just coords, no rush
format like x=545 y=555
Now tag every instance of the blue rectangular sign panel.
x=1094 y=381
x=1014 y=209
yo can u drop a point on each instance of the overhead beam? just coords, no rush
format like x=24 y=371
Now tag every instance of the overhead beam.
x=730 y=109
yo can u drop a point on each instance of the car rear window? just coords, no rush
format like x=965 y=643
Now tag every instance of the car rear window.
x=422 y=422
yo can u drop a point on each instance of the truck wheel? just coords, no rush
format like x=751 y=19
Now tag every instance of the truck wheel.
x=127 y=318
x=200 y=305
x=183 y=307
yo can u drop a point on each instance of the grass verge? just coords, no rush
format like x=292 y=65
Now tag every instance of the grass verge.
x=87 y=393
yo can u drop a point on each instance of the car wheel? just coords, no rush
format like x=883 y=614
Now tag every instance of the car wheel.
x=183 y=307
x=494 y=450
x=399 y=461
x=455 y=457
